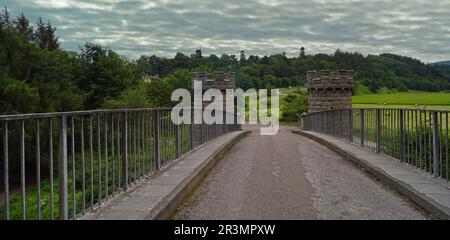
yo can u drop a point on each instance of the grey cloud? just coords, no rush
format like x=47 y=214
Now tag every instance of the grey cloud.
x=416 y=28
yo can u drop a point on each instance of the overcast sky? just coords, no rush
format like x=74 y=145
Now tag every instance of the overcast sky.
x=416 y=28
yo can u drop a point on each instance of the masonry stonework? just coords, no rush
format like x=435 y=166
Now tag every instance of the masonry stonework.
x=219 y=80
x=329 y=90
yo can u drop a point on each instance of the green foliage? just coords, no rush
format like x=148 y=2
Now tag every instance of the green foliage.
x=361 y=89
x=159 y=93
x=130 y=98
x=293 y=105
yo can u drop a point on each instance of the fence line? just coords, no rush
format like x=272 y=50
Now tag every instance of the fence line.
x=63 y=165
x=416 y=137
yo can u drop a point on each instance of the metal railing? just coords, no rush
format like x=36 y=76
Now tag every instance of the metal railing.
x=62 y=165
x=416 y=137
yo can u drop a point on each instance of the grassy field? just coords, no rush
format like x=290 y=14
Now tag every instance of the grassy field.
x=430 y=100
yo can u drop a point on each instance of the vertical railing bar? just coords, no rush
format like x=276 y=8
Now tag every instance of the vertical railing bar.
x=350 y=127
x=91 y=155
x=106 y=158
x=38 y=170
x=151 y=117
x=409 y=135
x=341 y=124
x=74 y=204
x=378 y=130
x=405 y=135
x=420 y=139
x=157 y=140
x=440 y=145
x=140 y=144
x=147 y=142
x=447 y=146
x=99 y=147
x=6 y=170
x=134 y=147
x=50 y=165
x=83 y=167
x=401 y=135
x=118 y=151
x=430 y=146
x=362 y=127
x=416 y=145
x=435 y=144
x=22 y=168
x=151 y=142
x=143 y=144
x=391 y=151
x=113 y=156
x=178 y=140
x=191 y=133
x=125 y=151
x=62 y=170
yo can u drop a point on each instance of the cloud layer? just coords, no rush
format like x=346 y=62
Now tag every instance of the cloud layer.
x=418 y=28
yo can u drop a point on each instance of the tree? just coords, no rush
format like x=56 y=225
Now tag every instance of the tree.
x=45 y=36
x=5 y=18
x=198 y=54
x=106 y=74
x=242 y=57
x=159 y=93
x=302 y=53
x=23 y=27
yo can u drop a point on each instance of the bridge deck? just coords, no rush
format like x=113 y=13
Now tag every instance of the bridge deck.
x=288 y=176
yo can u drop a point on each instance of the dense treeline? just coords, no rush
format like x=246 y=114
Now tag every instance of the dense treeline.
x=36 y=75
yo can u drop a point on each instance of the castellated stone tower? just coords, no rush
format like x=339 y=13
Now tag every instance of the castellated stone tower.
x=219 y=80
x=329 y=90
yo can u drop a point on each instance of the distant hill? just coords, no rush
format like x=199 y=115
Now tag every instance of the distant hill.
x=446 y=63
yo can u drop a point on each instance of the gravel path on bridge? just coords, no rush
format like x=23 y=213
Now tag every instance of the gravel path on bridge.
x=287 y=176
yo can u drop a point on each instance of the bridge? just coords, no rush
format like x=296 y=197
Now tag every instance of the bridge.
x=341 y=163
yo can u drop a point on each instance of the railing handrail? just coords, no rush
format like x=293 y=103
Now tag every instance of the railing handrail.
x=28 y=116
x=375 y=108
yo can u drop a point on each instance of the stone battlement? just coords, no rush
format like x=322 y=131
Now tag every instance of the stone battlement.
x=329 y=90
x=218 y=80
x=325 y=79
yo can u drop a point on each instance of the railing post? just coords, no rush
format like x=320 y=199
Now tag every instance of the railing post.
x=6 y=170
x=350 y=125
x=378 y=129
x=201 y=133
x=125 y=151
x=362 y=127
x=191 y=135
x=157 y=139
x=341 y=124
x=62 y=170
x=401 y=139
x=435 y=144
x=178 y=140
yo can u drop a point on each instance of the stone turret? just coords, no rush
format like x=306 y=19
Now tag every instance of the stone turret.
x=329 y=90
x=219 y=80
